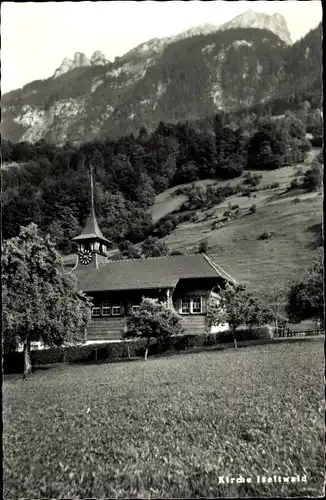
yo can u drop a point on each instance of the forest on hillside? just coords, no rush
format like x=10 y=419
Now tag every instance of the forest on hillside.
x=50 y=185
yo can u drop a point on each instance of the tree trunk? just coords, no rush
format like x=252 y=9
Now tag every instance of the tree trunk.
x=235 y=341
x=27 y=358
x=276 y=322
x=146 y=350
x=128 y=350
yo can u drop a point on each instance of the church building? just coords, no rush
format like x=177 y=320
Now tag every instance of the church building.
x=185 y=282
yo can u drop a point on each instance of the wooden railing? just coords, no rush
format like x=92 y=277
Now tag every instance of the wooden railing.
x=287 y=332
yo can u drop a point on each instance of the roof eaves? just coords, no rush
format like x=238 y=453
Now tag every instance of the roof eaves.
x=127 y=288
x=219 y=270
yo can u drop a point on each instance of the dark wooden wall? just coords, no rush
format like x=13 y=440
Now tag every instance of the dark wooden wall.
x=108 y=328
x=111 y=327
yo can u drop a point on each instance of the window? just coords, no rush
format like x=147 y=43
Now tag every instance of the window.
x=191 y=305
x=185 y=305
x=96 y=311
x=196 y=305
x=106 y=308
x=116 y=310
x=135 y=307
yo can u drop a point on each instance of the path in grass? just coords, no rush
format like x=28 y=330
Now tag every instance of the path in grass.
x=168 y=427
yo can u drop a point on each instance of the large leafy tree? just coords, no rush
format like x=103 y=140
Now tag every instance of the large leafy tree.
x=153 y=319
x=40 y=297
x=306 y=296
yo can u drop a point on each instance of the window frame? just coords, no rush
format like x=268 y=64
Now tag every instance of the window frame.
x=116 y=306
x=106 y=309
x=183 y=299
x=190 y=299
x=97 y=308
x=196 y=297
x=134 y=307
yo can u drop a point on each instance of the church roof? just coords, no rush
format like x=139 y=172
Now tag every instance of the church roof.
x=91 y=230
x=141 y=274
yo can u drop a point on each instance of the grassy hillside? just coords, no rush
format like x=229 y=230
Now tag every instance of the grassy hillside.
x=236 y=247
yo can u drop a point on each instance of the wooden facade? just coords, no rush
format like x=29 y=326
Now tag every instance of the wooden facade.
x=189 y=298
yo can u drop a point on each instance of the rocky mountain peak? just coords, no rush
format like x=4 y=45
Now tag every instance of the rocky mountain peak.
x=251 y=19
x=80 y=61
x=98 y=59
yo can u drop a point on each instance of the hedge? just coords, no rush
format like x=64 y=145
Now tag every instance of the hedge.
x=13 y=361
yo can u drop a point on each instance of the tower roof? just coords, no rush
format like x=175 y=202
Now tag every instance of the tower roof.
x=91 y=230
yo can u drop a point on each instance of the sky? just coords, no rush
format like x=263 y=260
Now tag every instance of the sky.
x=37 y=36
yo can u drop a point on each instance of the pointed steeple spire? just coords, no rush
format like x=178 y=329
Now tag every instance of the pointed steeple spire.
x=91 y=232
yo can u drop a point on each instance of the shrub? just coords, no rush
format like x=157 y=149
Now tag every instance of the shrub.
x=176 y=252
x=252 y=180
x=275 y=185
x=197 y=197
x=166 y=225
x=129 y=250
x=203 y=246
x=247 y=178
x=266 y=236
x=293 y=185
x=317 y=141
x=234 y=207
x=262 y=332
x=246 y=193
x=253 y=209
x=153 y=247
x=185 y=217
x=313 y=178
x=296 y=200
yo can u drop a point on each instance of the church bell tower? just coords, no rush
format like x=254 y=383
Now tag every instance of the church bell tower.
x=92 y=246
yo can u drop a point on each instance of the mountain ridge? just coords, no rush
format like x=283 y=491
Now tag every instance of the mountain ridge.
x=187 y=79
x=275 y=23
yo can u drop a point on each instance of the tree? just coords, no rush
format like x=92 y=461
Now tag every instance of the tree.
x=274 y=296
x=153 y=247
x=313 y=178
x=203 y=245
x=267 y=147
x=237 y=306
x=129 y=250
x=40 y=297
x=306 y=296
x=197 y=197
x=6 y=151
x=153 y=319
x=320 y=156
x=294 y=125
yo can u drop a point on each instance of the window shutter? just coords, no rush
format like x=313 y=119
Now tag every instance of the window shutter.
x=178 y=305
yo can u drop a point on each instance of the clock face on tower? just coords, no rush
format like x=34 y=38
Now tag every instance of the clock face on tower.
x=85 y=257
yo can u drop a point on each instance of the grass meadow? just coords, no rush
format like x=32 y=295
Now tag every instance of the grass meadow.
x=168 y=427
